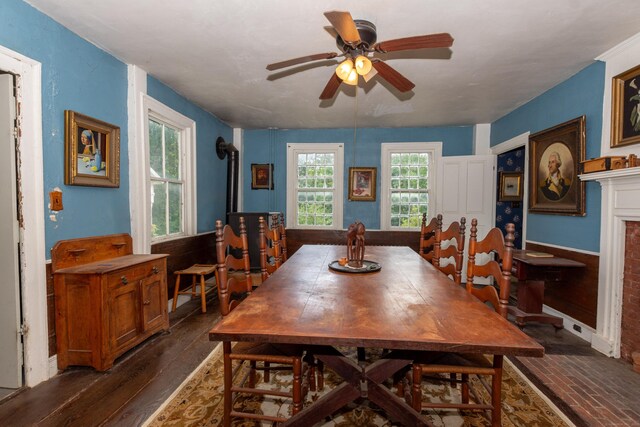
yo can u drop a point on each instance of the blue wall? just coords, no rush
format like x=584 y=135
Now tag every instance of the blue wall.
x=580 y=95
x=270 y=146
x=211 y=171
x=76 y=76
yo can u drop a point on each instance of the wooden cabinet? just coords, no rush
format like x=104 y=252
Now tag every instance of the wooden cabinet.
x=107 y=299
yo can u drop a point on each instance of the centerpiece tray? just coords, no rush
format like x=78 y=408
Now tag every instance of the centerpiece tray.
x=367 y=267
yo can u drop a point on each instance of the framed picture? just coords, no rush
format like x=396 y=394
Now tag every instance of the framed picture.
x=510 y=187
x=625 y=108
x=555 y=155
x=362 y=184
x=262 y=176
x=91 y=151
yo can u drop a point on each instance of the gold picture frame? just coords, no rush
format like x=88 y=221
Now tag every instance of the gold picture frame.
x=92 y=151
x=625 y=108
x=362 y=184
x=510 y=187
x=262 y=176
x=555 y=155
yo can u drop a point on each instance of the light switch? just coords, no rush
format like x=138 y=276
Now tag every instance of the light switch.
x=55 y=200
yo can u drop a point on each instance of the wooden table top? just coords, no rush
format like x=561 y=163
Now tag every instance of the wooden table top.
x=546 y=261
x=408 y=305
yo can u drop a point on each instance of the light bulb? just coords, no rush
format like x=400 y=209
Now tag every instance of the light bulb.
x=352 y=79
x=363 y=65
x=344 y=69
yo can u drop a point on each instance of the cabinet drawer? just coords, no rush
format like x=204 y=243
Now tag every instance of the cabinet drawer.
x=135 y=274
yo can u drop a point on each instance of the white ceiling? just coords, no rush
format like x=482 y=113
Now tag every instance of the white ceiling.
x=505 y=53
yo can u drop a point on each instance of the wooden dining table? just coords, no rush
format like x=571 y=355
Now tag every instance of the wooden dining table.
x=406 y=305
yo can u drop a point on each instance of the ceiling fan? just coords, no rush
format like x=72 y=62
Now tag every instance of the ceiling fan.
x=357 y=41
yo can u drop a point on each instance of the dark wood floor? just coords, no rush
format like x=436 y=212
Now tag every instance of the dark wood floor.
x=126 y=395
x=595 y=389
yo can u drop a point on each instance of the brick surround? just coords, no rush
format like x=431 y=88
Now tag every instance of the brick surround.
x=630 y=334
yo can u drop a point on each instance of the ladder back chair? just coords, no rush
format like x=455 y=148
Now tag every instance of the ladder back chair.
x=283 y=238
x=464 y=365
x=454 y=234
x=259 y=355
x=428 y=237
x=270 y=256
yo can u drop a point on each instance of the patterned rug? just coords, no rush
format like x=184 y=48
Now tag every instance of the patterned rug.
x=198 y=402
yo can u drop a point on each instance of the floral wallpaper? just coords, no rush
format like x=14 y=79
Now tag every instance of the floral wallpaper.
x=506 y=212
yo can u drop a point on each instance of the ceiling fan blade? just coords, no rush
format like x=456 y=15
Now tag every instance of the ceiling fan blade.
x=416 y=42
x=344 y=25
x=301 y=60
x=332 y=86
x=399 y=81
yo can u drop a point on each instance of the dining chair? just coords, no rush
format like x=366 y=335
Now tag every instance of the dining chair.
x=454 y=236
x=427 y=237
x=283 y=238
x=260 y=356
x=270 y=257
x=270 y=261
x=499 y=268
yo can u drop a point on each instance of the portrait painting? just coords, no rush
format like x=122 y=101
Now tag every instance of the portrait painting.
x=625 y=108
x=555 y=155
x=362 y=184
x=262 y=176
x=92 y=151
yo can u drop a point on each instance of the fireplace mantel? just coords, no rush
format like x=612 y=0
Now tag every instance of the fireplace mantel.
x=620 y=203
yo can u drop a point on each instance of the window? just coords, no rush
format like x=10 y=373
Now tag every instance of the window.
x=315 y=182
x=167 y=182
x=408 y=183
x=170 y=175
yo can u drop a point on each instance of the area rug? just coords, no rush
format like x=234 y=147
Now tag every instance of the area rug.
x=198 y=402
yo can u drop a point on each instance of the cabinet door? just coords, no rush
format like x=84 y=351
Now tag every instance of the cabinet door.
x=154 y=302
x=123 y=314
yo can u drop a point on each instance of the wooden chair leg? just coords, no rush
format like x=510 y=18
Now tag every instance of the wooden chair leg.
x=465 y=388
x=175 y=293
x=267 y=372
x=202 y=294
x=416 y=389
x=496 y=390
x=228 y=397
x=193 y=286
x=297 y=386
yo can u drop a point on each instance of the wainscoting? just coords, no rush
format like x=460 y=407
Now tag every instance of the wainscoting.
x=577 y=296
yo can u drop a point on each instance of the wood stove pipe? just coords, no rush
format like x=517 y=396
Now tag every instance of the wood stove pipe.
x=227 y=150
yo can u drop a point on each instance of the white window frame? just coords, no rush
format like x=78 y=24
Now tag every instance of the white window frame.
x=292 y=187
x=386 y=149
x=153 y=109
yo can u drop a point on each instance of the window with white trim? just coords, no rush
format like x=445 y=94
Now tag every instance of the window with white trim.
x=170 y=144
x=407 y=183
x=167 y=180
x=315 y=183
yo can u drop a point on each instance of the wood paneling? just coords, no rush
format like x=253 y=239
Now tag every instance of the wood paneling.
x=296 y=238
x=185 y=252
x=51 y=311
x=577 y=296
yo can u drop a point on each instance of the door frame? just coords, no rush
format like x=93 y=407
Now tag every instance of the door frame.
x=32 y=231
x=508 y=145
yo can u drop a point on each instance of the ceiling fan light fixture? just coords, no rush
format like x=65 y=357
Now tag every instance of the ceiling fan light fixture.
x=344 y=69
x=352 y=78
x=363 y=65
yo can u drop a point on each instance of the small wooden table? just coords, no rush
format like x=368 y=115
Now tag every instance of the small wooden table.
x=532 y=272
x=407 y=305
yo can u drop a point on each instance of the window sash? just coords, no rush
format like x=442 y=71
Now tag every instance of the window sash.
x=407 y=184
x=313 y=176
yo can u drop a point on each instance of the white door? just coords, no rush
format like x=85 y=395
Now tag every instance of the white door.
x=11 y=348
x=467 y=189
